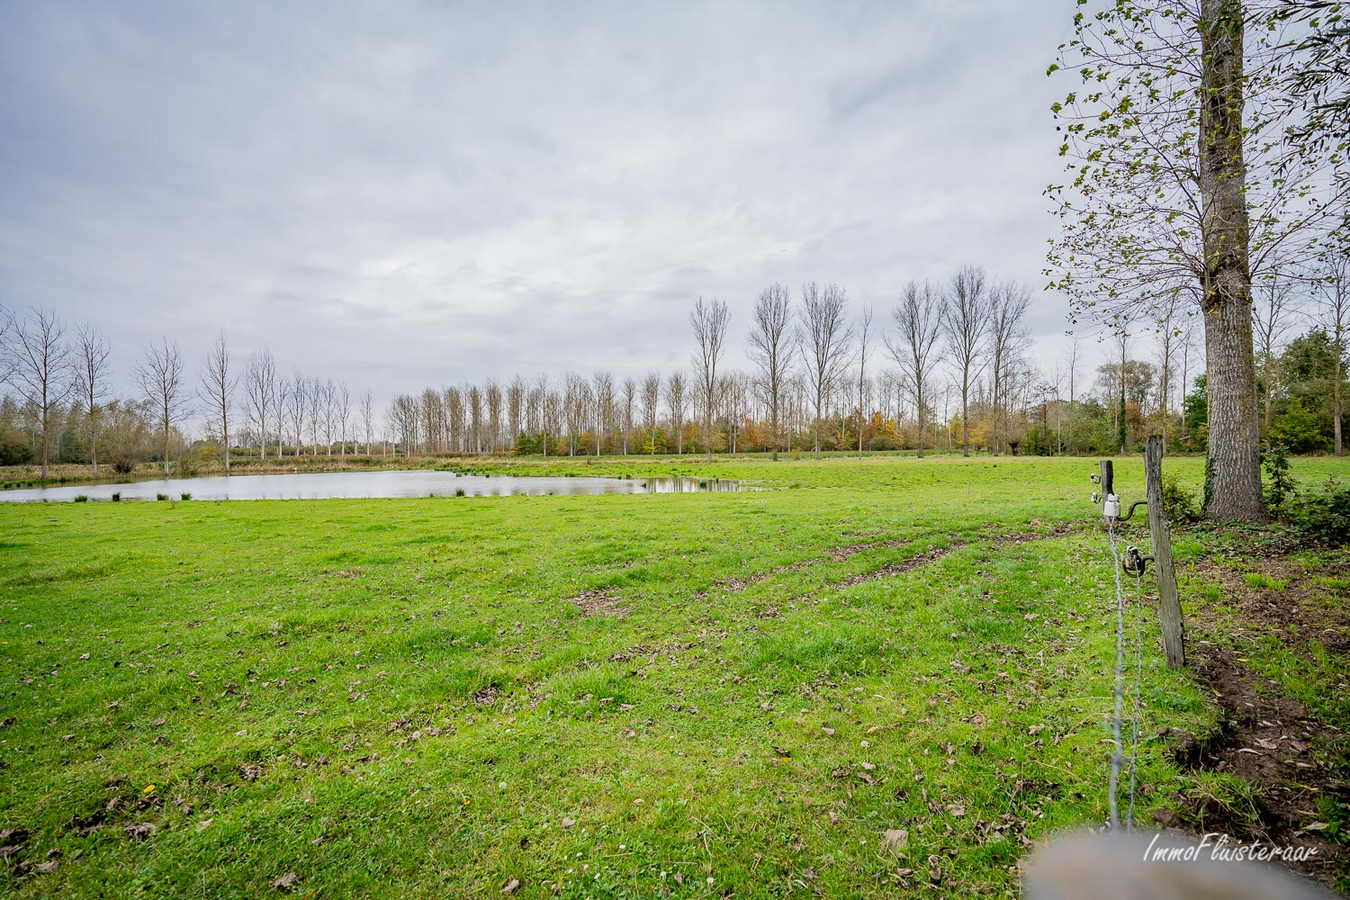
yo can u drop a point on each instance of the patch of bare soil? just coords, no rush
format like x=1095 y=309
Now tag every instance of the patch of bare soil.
x=599 y=603
x=1010 y=538
x=1290 y=757
x=898 y=568
x=1268 y=609
x=842 y=553
x=1000 y=540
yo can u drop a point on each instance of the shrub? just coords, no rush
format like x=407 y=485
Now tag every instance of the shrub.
x=161 y=496
x=1299 y=430
x=82 y=498
x=1320 y=517
x=186 y=496
x=459 y=492
x=124 y=466
x=117 y=497
x=1178 y=500
x=1280 y=487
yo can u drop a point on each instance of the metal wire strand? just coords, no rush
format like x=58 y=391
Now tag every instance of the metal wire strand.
x=1120 y=674
x=1138 y=694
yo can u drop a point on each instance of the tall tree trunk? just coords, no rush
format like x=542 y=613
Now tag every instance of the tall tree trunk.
x=773 y=439
x=965 y=414
x=1234 y=431
x=1336 y=399
x=918 y=413
x=45 y=441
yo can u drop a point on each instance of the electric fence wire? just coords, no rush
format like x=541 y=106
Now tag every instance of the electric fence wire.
x=1117 y=757
x=1138 y=691
x=1120 y=674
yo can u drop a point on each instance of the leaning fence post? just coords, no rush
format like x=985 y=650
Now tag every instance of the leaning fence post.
x=1169 y=604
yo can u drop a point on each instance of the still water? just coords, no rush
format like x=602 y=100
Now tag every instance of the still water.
x=330 y=485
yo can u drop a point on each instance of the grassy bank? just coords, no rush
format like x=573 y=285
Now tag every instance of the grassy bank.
x=884 y=673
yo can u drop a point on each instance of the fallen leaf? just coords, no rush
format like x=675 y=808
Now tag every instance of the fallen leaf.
x=897 y=839
x=286 y=882
x=140 y=832
x=568 y=823
x=510 y=886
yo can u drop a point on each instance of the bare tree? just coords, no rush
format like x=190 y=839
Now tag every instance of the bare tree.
x=367 y=413
x=771 y=349
x=298 y=406
x=552 y=414
x=1270 y=320
x=453 y=398
x=1009 y=303
x=675 y=399
x=651 y=400
x=344 y=414
x=314 y=411
x=91 y=377
x=604 y=406
x=965 y=322
x=733 y=389
x=492 y=398
x=41 y=368
x=548 y=412
x=1123 y=337
x=6 y=346
x=709 y=321
x=918 y=323
x=824 y=338
x=629 y=394
x=260 y=395
x=1334 y=314
x=217 y=385
x=329 y=414
x=160 y=376
x=864 y=332
x=474 y=407
x=515 y=407
x=1075 y=354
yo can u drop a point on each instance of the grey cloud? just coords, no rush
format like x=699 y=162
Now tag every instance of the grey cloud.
x=411 y=194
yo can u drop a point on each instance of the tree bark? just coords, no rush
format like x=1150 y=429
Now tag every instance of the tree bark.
x=1234 y=432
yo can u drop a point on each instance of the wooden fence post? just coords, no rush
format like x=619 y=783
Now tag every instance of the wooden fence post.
x=1169 y=604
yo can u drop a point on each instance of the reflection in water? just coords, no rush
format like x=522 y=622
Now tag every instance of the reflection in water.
x=356 y=485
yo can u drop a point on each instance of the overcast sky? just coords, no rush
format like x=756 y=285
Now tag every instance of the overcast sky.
x=403 y=195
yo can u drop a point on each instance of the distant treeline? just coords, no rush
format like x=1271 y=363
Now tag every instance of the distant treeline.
x=949 y=367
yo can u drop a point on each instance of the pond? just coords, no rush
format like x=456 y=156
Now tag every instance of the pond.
x=332 y=485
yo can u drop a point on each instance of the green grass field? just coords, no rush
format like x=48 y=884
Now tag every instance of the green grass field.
x=873 y=675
